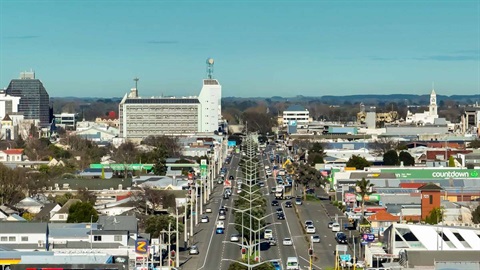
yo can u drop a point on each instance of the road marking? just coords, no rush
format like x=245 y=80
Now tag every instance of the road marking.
x=309 y=262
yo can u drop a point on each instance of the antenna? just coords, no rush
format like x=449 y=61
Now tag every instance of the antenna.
x=210 y=63
x=136 y=82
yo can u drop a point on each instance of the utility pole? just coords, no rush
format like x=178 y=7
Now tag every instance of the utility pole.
x=177 y=251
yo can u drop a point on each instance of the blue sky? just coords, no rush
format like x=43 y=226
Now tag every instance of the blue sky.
x=261 y=48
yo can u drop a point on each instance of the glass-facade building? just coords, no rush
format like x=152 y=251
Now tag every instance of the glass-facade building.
x=34 y=99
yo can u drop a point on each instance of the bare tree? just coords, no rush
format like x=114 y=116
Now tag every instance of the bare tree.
x=383 y=145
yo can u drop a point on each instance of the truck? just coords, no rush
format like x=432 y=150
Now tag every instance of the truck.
x=287 y=192
x=279 y=192
x=292 y=263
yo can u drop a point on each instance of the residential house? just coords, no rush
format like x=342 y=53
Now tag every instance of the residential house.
x=47 y=212
x=24 y=236
x=62 y=214
x=3 y=215
x=11 y=155
x=117 y=207
x=30 y=205
x=381 y=220
x=15 y=217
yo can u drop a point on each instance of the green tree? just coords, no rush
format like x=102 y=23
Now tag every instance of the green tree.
x=86 y=195
x=160 y=165
x=315 y=154
x=237 y=266
x=406 y=158
x=451 y=162
x=435 y=216
x=155 y=224
x=62 y=199
x=476 y=215
x=390 y=158
x=363 y=188
x=82 y=212
x=358 y=162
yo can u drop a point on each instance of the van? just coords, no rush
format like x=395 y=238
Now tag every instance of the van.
x=268 y=234
x=292 y=263
x=220 y=225
x=335 y=227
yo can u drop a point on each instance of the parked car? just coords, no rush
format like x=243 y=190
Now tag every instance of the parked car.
x=310 y=229
x=193 y=250
x=287 y=241
x=234 y=238
x=341 y=238
x=315 y=238
x=288 y=204
x=274 y=203
x=204 y=219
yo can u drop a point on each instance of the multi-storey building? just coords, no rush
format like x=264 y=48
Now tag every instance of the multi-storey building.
x=296 y=114
x=34 y=99
x=68 y=121
x=141 y=117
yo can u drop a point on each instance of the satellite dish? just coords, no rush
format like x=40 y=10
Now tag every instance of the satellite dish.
x=210 y=61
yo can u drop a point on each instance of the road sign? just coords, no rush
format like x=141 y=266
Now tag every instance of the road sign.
x=369 y=237
x=341 y=248
x=345 y=257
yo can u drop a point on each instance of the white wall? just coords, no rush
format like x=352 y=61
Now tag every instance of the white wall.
x=33 y=238
x=210 y=112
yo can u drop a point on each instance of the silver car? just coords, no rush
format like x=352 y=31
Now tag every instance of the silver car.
x=193 y=250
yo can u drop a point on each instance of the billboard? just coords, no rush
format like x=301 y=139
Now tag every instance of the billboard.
x=434 y=173
x=232 y=143
x=141 y=246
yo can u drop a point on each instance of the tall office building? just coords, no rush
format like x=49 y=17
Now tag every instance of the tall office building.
x=34 y=99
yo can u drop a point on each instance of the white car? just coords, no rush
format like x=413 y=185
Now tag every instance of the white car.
x=335 y=227
x=221 y=217
x=204 y=219
x=287 y=241
x=268 y=234
x=308 y=223
x=310 y=229
x=234 y=238
x=208 y=210
x=315 y=238
x=193 y=250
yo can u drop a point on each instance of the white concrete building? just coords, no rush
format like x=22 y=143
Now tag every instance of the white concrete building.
x=211 y=106
x=68 y=121
x=427 y=117
x=296 y=114
x=8 y=104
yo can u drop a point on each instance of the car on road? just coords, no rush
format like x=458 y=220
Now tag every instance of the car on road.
x=208 y=210
x=268 y=172
x=273 y=190
x=288 y=204
x=193 y=250
x=274 y=203
x=287 y=241
x=279 y=210
x=268 y=233
x=272 y=241
x=221 y=217
x=239 y=182
x=310 y=229
x=281 y=216
x=276 y=265
x=234 y=238
x=330 y=224
x=261 y=184
x=219 y=181
x=335 y=227
x=308 y=222
x=204 y=219
x=220 y=231
x=298 y=201
x=315 y=238
x=230 y=177
x=341 y=238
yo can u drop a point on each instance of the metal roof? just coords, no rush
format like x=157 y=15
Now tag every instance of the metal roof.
x=162 y=101
x=23 y=227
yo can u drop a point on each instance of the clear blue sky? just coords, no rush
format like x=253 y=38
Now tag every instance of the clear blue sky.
x=261 y=48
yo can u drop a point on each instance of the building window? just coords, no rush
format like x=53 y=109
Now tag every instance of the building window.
x=24 y=238
x=12 y=239
x=40 y=243
x=117 y=238
x=430 y=197
x=3 y=239
x=61 y=216
x=97 y=238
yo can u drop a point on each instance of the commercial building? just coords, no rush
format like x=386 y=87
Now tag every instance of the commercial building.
x=296 y=114
x=68 y=121
x=34 y=99
x=141 y=117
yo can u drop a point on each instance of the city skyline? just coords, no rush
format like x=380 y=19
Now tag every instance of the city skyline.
x=261 y=48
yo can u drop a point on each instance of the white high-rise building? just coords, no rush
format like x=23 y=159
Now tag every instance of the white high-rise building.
x=210 y=99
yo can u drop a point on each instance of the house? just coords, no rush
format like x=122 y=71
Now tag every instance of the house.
x=117 y=207
x=47 y=212
x=381 y=220
x=62 y=214
x=15 y=217
x=11 y=155
x=23 y=236
x=30 y=205
x=3 y=215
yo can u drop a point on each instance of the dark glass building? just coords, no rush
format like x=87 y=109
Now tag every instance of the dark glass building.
x=35 y=101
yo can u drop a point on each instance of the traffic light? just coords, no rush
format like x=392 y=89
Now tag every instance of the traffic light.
x=310 y=252
x=172 y=253
x=244 y=251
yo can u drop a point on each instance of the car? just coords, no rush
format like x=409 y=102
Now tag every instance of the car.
x=335 y=227
x=239 y=190
x=287 y=241
x=360 y=264
x=274 y=203
x=239 y=182
x=231 y=177
x=268 y=233
x=276 y=265
x=273 y=190
x=310 y=229
x=219 y=181
x=280 y=216
x=330 y=224
x=288 y=204
x=204 y=219
x=221 y=217
x=220 y=231
x=272 y=241
x=261 y=184
x=222 y=211
x=193 y=250
x=226 y=196
x=208 y=210
x=315 y=238
x=279 y=210
x=234 y=238
x=308 y=222
x=298 y=201
x=341 y=238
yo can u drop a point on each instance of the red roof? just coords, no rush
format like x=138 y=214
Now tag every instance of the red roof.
x=411 y=185
x=13 y=151
x=383 y=215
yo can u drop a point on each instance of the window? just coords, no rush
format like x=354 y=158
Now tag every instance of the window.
x=40 y=243
x=3 y=239
x=24 y=238
x=117 y=238
x=61 y=216
x=97 y=238
x=12 y=239
x=430 y=197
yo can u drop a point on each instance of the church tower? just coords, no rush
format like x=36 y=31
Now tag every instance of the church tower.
x=433 y=104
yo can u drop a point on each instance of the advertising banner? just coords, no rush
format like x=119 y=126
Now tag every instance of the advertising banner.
x=434 y=173
x=141 y=246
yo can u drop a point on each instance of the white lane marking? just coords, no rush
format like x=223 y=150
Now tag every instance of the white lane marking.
x=290 y=232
